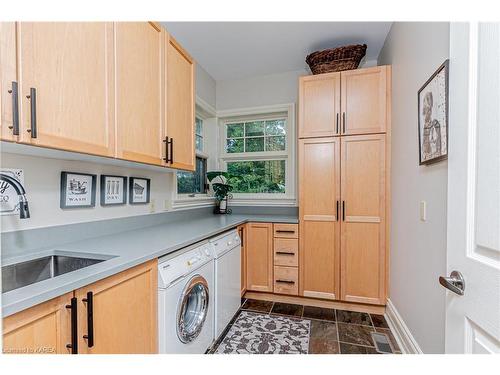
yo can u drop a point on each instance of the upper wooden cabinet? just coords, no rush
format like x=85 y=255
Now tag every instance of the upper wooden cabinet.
x=364 y=100
x=41 y=329
x=259 y=253
x=123 y=89
x=139 y=91
x=180 y=106
x=9 y=96
x=65 y=73
x=363 y=243
x=319 y=196
x=319 y=111
x=345 y=103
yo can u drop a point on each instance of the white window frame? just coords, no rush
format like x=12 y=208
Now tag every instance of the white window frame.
x=203 y=112
x=289 y=155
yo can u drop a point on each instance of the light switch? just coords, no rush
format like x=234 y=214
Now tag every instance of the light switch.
x=423 y=211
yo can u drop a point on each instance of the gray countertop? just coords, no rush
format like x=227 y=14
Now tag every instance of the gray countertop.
x=128 y=249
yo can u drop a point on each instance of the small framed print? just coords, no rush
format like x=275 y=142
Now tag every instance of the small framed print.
x=113 y=190
x=139 y=190
x=77 y=190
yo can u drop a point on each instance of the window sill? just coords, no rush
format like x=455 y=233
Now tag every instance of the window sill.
x=192 y=202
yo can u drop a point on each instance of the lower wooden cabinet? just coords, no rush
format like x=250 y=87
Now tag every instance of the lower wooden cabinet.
x=286 y=280
x=242 y=234
x=259 y=255
x=41 y=329
x=124 y=312
x=117 y=315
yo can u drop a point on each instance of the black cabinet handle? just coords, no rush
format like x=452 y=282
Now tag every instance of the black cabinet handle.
x=285 y=281
x=284 y=231
x=166 y=149
x=337 y=124
x=90 y=319
x=74 y=326
x=15 y=108
x=32 y=97
x=171 y=150
x=343 y=210
x=338 y=204
x=284 y=253
x=343 y=122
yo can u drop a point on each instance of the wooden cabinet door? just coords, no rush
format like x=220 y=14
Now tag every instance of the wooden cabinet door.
x=365 y=100
x=363 y=249
x=319 y=101
x=41 y=329
x=242 y=234
x=124 y=312
x=69 y=64
x=319 y=240
x=139 y=91
x=180 y=106
x=259 y=257
x=8 y=80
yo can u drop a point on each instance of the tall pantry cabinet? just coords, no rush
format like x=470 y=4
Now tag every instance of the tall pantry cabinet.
x=344 y=175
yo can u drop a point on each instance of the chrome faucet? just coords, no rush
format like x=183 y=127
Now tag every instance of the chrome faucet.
x=24 y=211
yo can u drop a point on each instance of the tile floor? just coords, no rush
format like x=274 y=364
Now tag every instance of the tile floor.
x=332 y=331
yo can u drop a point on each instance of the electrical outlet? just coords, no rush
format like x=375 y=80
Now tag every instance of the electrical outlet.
x=423 y=211
x=152 y=207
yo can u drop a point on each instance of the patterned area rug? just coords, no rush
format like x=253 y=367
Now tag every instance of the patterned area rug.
x=254 y=333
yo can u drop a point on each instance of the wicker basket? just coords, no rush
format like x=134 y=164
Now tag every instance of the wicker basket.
x=336 y=59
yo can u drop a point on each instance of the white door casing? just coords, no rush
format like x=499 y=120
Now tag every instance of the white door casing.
x=473 y=234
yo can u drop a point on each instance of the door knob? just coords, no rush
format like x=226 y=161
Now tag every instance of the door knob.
x=455 y=283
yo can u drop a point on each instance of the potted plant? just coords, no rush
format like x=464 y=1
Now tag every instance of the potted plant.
x=221 y=189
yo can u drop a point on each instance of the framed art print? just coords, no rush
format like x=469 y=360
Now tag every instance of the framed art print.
x=433 y=117
x=139 y=190
x=77 y=190
x=113 y=190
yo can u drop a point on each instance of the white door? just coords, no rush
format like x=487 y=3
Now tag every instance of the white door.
x=473 y=320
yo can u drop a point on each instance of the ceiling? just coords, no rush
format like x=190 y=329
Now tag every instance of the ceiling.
x=233 y=50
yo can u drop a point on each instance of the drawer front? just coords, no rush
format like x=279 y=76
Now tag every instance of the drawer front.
x=286 y=252
x=286 y=230
x=286 y=280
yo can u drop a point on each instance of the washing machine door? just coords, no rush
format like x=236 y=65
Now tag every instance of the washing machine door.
x=193 y=309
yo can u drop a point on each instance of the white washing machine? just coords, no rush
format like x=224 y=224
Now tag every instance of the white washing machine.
x=186 y=300
x=227 y=250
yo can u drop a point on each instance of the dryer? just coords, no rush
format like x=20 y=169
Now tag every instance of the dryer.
x=186 y=294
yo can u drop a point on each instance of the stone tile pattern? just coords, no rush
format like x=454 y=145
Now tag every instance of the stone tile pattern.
x=331 y=331
x=256 y=333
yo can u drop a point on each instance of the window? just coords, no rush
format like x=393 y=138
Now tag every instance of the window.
x=199 y=134
x=193 y=182
x=256 y=155
x=256 y=136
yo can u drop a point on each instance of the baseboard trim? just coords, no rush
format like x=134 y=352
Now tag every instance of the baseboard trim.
x=400 y=330
x=265 y=296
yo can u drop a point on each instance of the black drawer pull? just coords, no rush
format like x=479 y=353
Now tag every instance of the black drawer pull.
x=15 y=108
x=284 y=231
x=90 y=319
x=338 y=204
x=285 y=281
x=284 y=253
x=171 y=150
x=74 y=326
x=337 y=124
x=166 y=149
x=344 y=121
x=343 y=210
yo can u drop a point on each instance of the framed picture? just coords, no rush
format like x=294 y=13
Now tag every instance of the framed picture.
x=433 y=117
x=113 y=190
x=77 y=190
x=139 y=190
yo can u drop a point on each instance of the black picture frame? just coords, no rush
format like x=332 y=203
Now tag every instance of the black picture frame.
x=64 y=187
x=444 y=156
x=131 y=190
x=103 y=190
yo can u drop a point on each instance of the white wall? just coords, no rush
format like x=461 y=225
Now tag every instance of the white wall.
x=205 y=86
x=418 y=249
x=42 y=178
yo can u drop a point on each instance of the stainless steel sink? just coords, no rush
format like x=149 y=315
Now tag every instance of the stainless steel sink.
x=17 y=275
